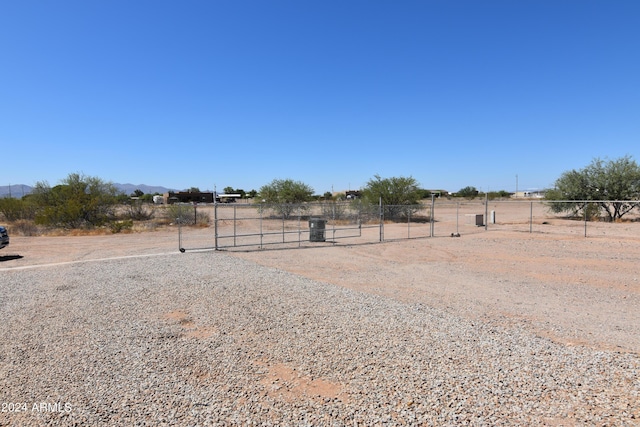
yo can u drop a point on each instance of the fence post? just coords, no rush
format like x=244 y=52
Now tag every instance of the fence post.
x=333 y=226
x=531 y=219
x=486 y=211
x=299 y=226
x=457 y=217
x=432 y=219
x=381 y=211
x=215 y=225
x=261 y=206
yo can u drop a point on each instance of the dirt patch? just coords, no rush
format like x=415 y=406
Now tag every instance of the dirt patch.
x=189 y=326
x=285 y=383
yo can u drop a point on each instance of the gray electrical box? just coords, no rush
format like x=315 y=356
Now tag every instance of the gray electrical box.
x=316 y=229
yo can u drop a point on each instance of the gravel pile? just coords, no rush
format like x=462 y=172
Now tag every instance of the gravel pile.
x=208 y=339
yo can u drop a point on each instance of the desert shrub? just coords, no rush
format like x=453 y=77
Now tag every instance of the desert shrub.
x=138 y=211
x=283 y=210
x=468 y=192
x=180 y=214
x=285 y=196
x=186 y=215
x=120 y=226
x=502 y=194
x=334 y=210
x=25 y=227
x=365 y=212
x=610 y=187
x=202 y=219
x=400 y=196
x=13 y=209
x=79 y=202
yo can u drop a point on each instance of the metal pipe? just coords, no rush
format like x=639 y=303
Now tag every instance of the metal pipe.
x=531 y=218
x=333 y=225
x=486 y=211
x=457 y=217
x=432 y=219
x=299 y=227
x=381 y=211
x=215 y=225
x=261 y=206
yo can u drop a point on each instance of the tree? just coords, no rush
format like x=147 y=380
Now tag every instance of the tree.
x=397 y=194
x=286 y=195
x=148 y=198
x=468 y=192
x=16 y=209
x=424 y=194
x=231 y=190
x=614 y=185
x=79 y=201
x=491 y=195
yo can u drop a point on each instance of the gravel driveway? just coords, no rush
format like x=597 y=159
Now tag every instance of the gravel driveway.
x=417 y=336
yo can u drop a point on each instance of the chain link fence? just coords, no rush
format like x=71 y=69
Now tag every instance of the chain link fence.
x=228 y=226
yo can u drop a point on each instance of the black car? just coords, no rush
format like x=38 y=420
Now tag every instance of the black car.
x=4 y=237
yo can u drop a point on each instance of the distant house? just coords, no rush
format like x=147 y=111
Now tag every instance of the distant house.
x=439 y=193
x=188 y=197
x=352 y=194
x=227 y=198
x=529 y=194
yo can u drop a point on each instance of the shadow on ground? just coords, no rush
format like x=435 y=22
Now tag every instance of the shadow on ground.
x=10 y=257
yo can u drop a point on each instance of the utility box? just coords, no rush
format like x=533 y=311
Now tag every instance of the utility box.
x=317 y=229
x=475 y=219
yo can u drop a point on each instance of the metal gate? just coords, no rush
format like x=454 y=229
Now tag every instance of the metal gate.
x=257 y=226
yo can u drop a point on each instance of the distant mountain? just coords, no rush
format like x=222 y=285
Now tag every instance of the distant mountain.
x=19 y=190
x=15 y=190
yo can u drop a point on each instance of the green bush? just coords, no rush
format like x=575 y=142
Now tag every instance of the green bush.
x=120 y=226
x=138 y=210
x=285 y=196
x=400 y=196
x=78 y=202
x=610 y=187
x=13 y=209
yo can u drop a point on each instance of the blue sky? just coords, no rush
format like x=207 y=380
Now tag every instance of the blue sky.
x=238 y=93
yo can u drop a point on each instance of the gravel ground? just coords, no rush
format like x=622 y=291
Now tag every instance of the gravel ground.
x=207 y=338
